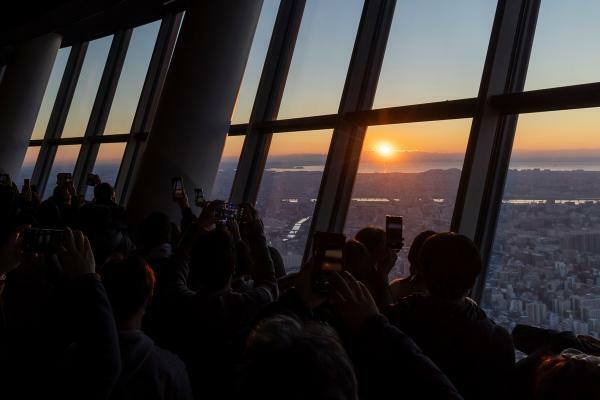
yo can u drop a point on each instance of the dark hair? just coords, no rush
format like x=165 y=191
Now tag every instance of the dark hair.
x=154 y=230
x=450 y=263
x=560 y=377
x=103 y=193
x=8 y=212
x=372 y=237
x=286 y=358
x=356 y=260
x=415 y=249
x=129 y=284
x=212 y=260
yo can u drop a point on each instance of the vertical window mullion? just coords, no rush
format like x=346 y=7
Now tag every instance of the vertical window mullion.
x=58 y=115
x=148 y=102
x=101 y=107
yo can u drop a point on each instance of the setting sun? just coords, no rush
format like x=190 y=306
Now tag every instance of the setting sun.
x=384 y=149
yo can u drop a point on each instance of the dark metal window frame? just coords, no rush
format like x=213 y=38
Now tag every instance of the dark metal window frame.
x=93 y=136
x=494 y=114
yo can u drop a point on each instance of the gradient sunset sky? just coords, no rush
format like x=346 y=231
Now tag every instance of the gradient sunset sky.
x=435 y=52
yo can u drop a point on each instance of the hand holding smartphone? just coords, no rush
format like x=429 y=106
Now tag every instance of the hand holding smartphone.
x=64 y=178
x=93 y=180
x=327 y=257
x=177 y=188
x=393 y=230
x=199 y=198
x=40 y=240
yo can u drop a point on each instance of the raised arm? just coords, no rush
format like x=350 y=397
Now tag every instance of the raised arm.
x=387 y=361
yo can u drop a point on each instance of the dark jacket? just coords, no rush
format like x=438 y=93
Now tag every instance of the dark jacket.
x=389 y=365
x=211 y=326
x=476 y=354
x=149 y=372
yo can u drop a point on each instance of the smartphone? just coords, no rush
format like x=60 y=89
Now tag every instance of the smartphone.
x=393 y=231
x=27 y=183
x=63 y=178
x=92 y=179
x=327 y=256
x=5 y=180
x=199 y=199
x=226 y=211
x=177 y=187
x=40 y=240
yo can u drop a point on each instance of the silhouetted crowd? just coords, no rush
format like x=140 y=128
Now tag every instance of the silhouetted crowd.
x=94 y=306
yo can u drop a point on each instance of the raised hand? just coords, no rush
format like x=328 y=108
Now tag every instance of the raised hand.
x=352 y=301
x=76 y=255
x=303 y=282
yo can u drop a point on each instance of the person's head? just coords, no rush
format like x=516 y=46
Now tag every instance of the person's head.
x=356 y=260
x=61 y=194
x=374 y=239
x=104 y=193
x=450 y=264
x=415 y=250
x=570 y=375
x=129 y=284
x=154 y=230
x=212 y=260
x=287 y=358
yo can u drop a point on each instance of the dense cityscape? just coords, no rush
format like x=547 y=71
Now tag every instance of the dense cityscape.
x=545 y=264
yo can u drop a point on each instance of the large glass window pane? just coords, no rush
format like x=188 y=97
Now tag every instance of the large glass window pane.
x=321 y=57
x=87 y=87
x=64 y=161
x=107 y=164
x=545 y=264
x=436 y=51
x=412 y=170
x=256 y=60
x=132 y=79
x=227 y=167
x=58 y=70
x=289 y=189
x=565 y=48
x=28 y=164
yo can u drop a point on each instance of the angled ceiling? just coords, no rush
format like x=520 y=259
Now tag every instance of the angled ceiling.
x=79 y=20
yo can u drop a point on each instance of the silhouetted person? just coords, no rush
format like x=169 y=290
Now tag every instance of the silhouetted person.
x=61 y=209
x=212 y=318
x=570 y=375
x=382 y=260
x=286 y=358
x=104 y=194
x=414 y=283
x=450 y=328
x=148 y=372
x=108 y=241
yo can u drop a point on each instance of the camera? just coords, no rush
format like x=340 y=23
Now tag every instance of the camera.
x=40 y=240
x=393 y=232
x=327 y=258
x=199 y=199
x=177 y=188
x=63 y=178
x=92 y=180
x=228 y=211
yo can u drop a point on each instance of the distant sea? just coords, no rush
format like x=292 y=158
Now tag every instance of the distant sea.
x=108 y=171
